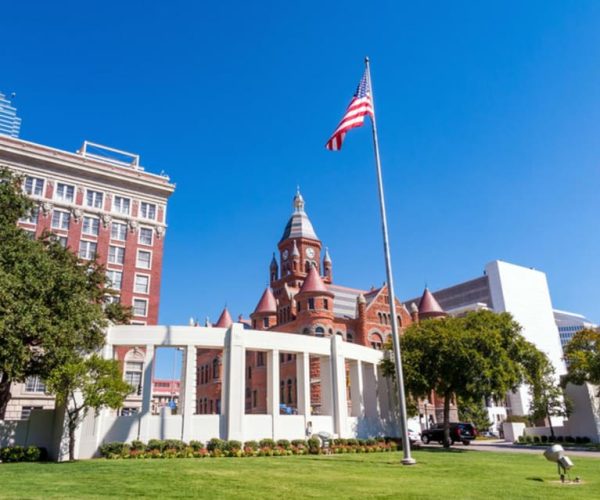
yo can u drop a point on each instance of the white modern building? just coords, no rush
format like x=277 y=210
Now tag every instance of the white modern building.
x=522 y=292
x=569 y=324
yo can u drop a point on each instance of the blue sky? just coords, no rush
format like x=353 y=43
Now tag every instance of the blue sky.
x=489 y=118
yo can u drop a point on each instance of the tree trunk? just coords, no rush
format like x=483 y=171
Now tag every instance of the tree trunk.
x=4 y=394
x=447 y=399
x=550 y=422
x=72 y=424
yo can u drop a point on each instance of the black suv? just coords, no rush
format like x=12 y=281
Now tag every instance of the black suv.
x=462 y=432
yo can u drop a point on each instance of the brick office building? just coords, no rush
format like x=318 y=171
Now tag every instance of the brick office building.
x=302 y=298
x=98 y=201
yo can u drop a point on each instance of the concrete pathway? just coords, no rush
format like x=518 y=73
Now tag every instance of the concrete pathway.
x=503 y=446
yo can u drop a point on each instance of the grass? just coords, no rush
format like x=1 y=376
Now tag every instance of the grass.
x=438 y=474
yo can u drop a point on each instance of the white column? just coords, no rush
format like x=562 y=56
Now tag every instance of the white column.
x=273 y=388
x=145 y=414
x=107 y=353
x=233 y=384
x=338 y=372
x=188 y=392
x=326 y=385
x=356 y=388
x=370 y=396
x=303 y=384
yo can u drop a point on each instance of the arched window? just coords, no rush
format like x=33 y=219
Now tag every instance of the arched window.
x=216 y=368
x=134 y=366
x=319 y=331
x=306 y=331
x=289 y=391
x=349 y=337
x=376 y=341
x=282 y=392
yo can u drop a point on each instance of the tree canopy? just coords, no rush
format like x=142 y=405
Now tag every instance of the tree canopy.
x=482 y=354
x=582 y=355
x=51 y=302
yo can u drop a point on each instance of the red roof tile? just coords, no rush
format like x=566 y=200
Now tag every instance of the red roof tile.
x=428 y=305
x=314 y=283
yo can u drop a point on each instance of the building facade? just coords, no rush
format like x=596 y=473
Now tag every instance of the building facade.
x=10 y=123
x=302 y=298
x=98 y=202
x=569 y=324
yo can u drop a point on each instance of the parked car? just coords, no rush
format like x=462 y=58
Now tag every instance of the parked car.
x=413 y=436
x=459 y=432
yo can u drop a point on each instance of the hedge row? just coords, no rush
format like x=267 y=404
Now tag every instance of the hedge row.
x=173 y=448
x=556 y=439
x=22 y=454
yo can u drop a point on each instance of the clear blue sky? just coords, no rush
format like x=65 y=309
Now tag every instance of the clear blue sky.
x=489 y=120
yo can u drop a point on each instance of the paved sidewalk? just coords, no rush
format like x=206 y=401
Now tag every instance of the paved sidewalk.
x=504 y=446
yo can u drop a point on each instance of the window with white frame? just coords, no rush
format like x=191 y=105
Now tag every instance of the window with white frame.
x=142 y=283
x=64 y=192
x=31 y=217
x=121 y=205
x=94 y=199
x=35 y=384
x=91 y=226
x=60 y=219
x=133 y=373
x=112 y=299
x=145 y=236
x=87 y=249
x=34 y=186
x=116 y=255
x=140 y=307
x=62 y=240
x=147 y=210
x=144 y=259
x=118 y=231
x=26 y=411
x=114 y=279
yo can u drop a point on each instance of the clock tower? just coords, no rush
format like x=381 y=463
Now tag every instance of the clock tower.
x=299 y=250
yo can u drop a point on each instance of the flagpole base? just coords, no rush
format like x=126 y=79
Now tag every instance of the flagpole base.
x=408 y=461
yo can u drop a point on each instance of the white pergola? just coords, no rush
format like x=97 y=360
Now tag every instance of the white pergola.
x=370 y=413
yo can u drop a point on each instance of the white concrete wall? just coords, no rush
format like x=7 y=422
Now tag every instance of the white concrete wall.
x=585 y=419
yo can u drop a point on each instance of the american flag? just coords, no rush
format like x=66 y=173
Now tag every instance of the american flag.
x=359 y=107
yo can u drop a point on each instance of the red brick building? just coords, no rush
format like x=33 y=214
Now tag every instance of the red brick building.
x=97 y=201
x=302 y=298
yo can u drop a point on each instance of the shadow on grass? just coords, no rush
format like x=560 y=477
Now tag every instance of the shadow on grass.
x=538 y=479
x=441 y=449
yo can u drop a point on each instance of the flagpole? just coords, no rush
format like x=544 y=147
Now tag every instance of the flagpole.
x=407 y=460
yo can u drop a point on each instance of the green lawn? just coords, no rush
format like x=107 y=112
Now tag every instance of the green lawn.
x=439 y=474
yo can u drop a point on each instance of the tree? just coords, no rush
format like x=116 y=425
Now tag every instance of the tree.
x=547 y=397
x=582 y=355
x=84 y=384
x=51 y=303
x=472 y=357
x=474 y=411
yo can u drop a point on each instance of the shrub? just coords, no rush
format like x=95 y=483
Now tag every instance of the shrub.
x=352 y=442
x=155 y=444
x=544 y=439
x=267 y=443
x=579 y=440
x=300 y=443
x=551 y=439
x=529 y=439
x=232 y=445
x=284 y=443
x=137 y=445
x=215 y=444
x=12 y=454
x=537 y=440
x=560 y=439
x=253 y=445
x=174 y=444
x=314 y=445
x=370 y=442
x=585 y=440
x=569 y=439
x=196 y=445
x=112 y=450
